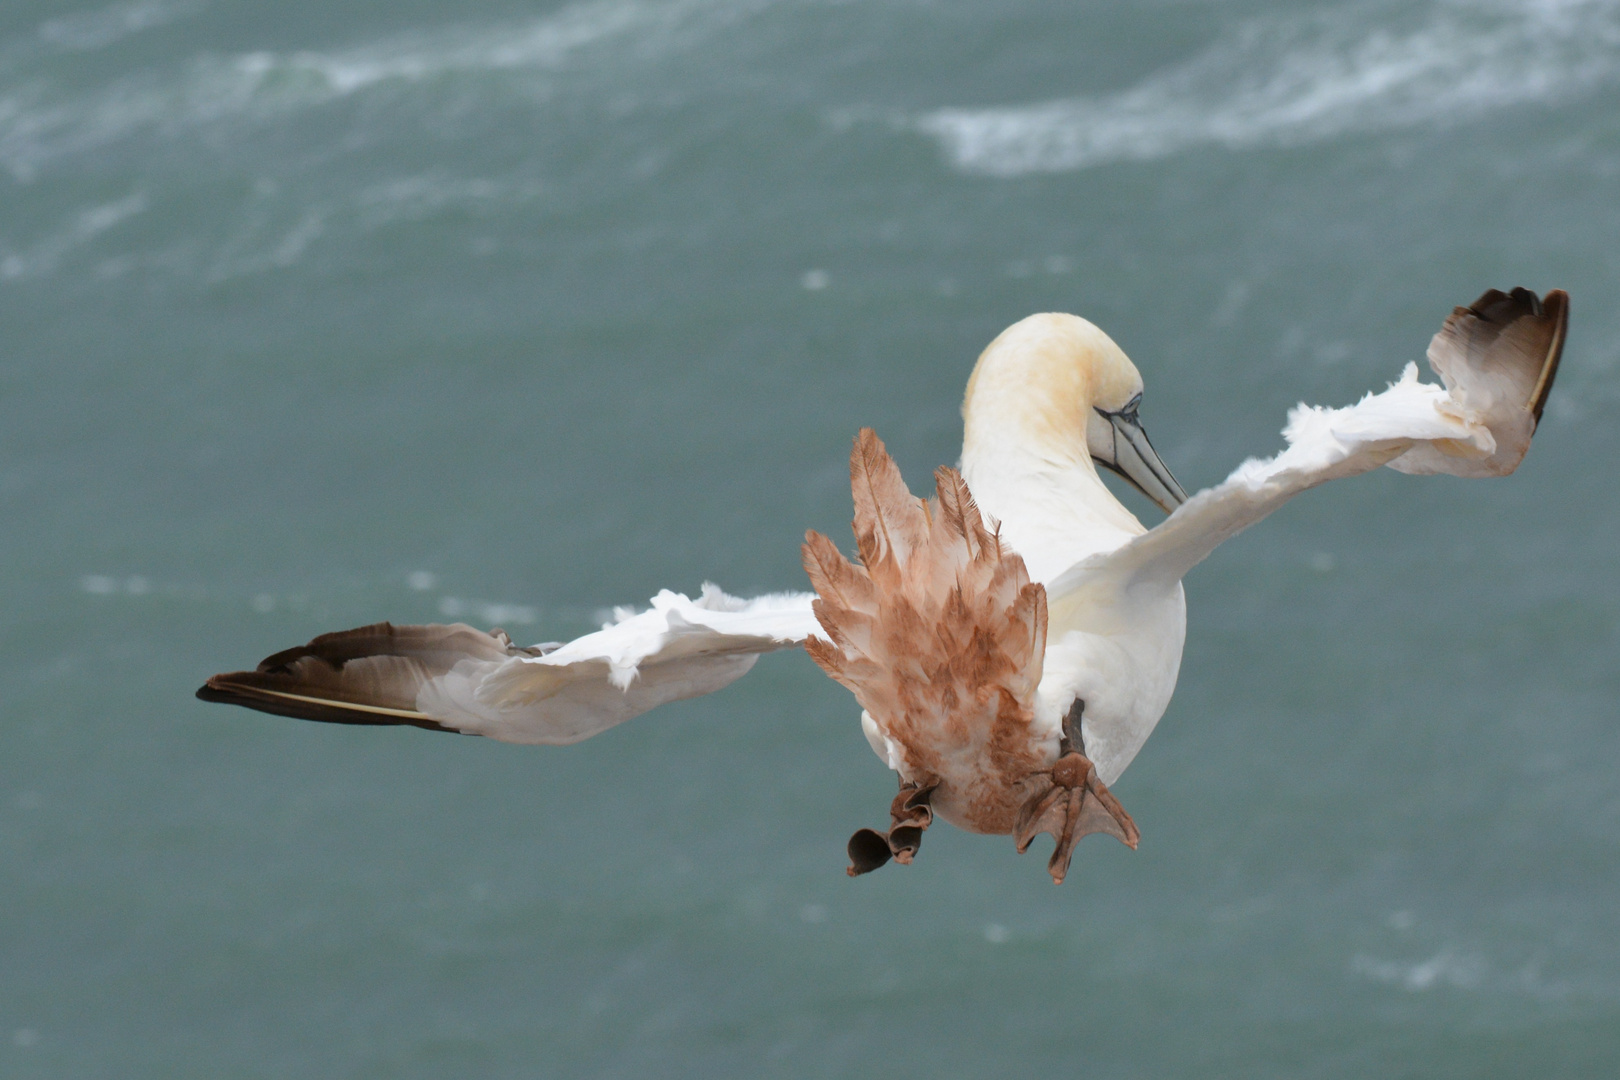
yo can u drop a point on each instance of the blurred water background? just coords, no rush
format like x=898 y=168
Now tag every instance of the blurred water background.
x=321 y=313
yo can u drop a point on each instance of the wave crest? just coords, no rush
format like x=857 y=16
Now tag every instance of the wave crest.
x=1302 y=79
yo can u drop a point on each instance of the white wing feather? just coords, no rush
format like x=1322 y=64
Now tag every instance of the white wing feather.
x=1323 y=444
x=677 y=648
x=1497 y=359
x=458 y=678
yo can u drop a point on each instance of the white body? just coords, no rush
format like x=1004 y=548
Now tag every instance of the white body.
x=1120 y=656
x=1026 y=460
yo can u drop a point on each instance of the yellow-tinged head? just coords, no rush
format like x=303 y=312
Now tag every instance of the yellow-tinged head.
x=1058 y=389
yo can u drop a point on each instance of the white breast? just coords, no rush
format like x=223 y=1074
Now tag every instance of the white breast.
x=1120 y=652
x=1125 y=676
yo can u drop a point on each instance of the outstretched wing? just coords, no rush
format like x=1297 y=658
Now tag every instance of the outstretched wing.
x=456 y=678
x=1497 y=359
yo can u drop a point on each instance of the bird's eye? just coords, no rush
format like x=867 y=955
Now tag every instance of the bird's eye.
x=1126 y=412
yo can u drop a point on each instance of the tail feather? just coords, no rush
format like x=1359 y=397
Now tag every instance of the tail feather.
x=959 y=514
x=890 y=522
x=834 y=577
x=938 y=632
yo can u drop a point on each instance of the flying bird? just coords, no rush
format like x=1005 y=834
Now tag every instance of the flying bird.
x=1012 y=640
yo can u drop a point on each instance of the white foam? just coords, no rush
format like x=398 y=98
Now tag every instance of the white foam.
x=36 y=129
x=104 y=585
x=1455 y=970
x=488 y=614
x=276 y=233
x=1299 y=79
x=249 y=252
x=1450 y=969
x=411 y=198
x=97 y=29
x=79 y=230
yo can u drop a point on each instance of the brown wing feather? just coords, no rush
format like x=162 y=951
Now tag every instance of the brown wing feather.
x=368 y=675
x=1517 y=337
x=1498 y=359
x=939 y=633
x=1555 y=309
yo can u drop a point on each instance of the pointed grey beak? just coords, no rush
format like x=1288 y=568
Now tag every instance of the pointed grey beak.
x=1137 y=461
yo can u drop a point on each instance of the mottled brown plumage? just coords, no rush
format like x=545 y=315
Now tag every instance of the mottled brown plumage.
x=939 y=634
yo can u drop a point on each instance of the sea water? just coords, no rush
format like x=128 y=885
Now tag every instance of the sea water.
x=316 y=314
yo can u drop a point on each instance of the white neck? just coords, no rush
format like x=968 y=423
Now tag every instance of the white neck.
x=1024 y=453
x=1052 y=513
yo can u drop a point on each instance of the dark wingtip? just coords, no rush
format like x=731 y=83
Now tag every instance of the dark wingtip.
x=370 y=675
x=1502 y=309
x=1555 y=306
x=334 y=649
x=245 y=688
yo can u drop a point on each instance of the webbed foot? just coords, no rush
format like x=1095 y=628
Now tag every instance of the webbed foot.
x=909 y=814
x=1074 y=803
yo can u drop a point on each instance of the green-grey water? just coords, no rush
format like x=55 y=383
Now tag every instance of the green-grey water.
x=317 y=314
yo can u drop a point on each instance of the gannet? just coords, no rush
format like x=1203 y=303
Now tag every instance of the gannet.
x=1013 y=640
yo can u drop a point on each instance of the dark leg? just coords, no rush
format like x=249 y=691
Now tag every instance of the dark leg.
x=1071 y=739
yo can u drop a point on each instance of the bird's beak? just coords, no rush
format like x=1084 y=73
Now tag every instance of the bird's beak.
x=1137 y=461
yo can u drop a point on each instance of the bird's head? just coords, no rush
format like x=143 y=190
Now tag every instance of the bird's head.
x=1058 y=388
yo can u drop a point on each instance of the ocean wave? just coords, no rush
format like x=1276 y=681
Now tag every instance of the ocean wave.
x=107 y=585
x=275 y=234
x=1458 y=971
x=86 y=30
x=1304 y=78
x=411 y=198
x=1451 y=969
x=310 y=77
x=486 y=613
x=270 y=232
x=85 y=226
x=37 y=128
x=489 y=614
